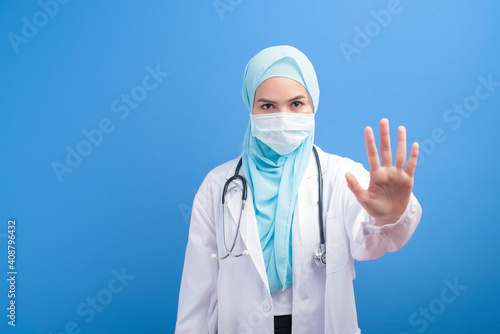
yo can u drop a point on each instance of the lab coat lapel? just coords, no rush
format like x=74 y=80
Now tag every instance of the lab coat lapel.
x=307 y=199
x=248 y=228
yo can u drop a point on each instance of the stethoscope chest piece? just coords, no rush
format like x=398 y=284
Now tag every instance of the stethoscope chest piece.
x=320 y=257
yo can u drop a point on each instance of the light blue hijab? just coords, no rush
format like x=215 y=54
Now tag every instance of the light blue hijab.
x=275 y=179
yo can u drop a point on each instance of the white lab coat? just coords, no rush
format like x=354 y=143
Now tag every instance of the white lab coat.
x=232 y=296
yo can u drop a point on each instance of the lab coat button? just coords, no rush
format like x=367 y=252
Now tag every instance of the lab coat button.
x=266 y=306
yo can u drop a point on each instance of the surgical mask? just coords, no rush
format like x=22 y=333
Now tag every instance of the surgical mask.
x=282 y=132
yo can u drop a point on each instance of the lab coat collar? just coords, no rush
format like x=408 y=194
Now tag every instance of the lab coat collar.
x=312 y=169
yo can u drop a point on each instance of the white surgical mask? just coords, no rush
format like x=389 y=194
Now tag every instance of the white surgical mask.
x=283 y=132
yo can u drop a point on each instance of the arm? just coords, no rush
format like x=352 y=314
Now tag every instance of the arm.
x=197 y=311
x=382 y=214
x=368 y=240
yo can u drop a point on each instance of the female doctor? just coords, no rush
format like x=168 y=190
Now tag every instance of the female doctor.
x=256 y=263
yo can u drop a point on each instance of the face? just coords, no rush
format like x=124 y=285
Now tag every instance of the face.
x=279 y=94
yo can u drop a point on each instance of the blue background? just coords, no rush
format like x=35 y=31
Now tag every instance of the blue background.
x=126 y=204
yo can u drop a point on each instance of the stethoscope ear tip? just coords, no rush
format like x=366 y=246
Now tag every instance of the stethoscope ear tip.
x=213 y=256
x=245 y=252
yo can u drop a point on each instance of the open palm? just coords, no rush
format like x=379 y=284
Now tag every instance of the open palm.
x=390 y=186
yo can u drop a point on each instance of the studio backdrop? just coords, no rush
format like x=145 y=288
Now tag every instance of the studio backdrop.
x=111 y=115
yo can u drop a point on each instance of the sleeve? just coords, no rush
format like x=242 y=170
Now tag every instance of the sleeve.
x=367 y=240
x=197 y=309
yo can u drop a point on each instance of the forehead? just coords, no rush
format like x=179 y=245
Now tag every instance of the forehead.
x=280 y=86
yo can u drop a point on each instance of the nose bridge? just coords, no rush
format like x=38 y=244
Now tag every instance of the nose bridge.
x=283 y=107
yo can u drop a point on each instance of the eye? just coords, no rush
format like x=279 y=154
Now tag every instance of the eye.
x=267 y=106
x=297 y=104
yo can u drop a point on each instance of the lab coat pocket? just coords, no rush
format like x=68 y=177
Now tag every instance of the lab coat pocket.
x=336 y=243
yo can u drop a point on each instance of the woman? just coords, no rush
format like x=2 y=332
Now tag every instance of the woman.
x=281 y=282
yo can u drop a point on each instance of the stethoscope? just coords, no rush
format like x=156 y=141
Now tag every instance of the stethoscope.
x=319 y=256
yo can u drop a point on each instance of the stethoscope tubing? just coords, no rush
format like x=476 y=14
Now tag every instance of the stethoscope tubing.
x=319 y=257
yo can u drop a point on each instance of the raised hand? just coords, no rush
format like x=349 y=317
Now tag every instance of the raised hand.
x=390 y=186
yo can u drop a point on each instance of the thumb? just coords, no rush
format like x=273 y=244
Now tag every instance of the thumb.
x=354 y=186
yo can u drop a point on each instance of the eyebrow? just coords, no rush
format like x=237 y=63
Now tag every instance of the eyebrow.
x=298 y=97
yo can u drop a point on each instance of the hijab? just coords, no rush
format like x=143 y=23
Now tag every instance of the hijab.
x=275 y=179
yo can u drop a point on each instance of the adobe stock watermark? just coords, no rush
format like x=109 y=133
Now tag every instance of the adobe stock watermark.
x=186 y=209
x=455 y=115
x=29 y=29
x=255 y=319
x=87 y=309
x=221 y=7
x=364 y=36
x=429 y=313
x=121 y=107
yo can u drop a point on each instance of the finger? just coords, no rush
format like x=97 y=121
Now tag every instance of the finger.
x=412 y=161
x=385 y=143
x=354 y=186
x=371 y=149
x=401 y=150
